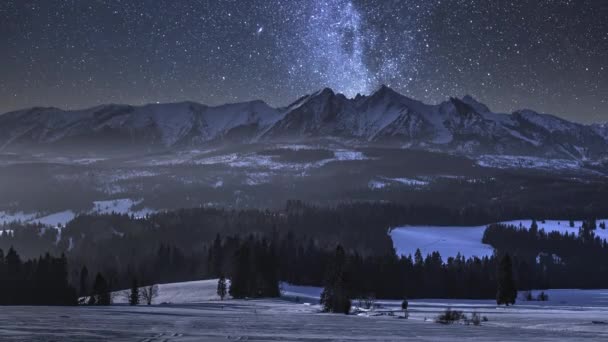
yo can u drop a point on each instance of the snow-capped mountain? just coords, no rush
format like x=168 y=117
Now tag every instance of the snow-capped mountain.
x=163 y=125
x=384 y=117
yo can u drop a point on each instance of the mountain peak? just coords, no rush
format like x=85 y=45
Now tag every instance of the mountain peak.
x=476 y=105
x=324 y=92
x=385 y=90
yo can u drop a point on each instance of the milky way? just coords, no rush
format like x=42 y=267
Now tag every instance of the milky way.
x=546 y=55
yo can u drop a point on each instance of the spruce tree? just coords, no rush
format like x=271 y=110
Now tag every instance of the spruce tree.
x=101 y=292
x=335 y=297
x=84 y=281
x=221 y=287
x=240 y=282
x=134 y=295
x=506 y=292
x=216 y=257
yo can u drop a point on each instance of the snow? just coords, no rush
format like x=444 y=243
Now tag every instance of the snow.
x=303 y=293
x=192 y=312
x=383 y=182
x=466 y=240
x=448 y=241
x=120 y=206
x=6 y=217
x=507 y=161
x=257 y=178
x=266 y=163
x=57 y=219
x=349 y=155
x=375 y=185
x=522 y=137
x=561 y=227
x=179 y=293
x=409 y=181
x=547 y=121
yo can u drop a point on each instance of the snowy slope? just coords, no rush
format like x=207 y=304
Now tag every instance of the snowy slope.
x=448 y=241
x=159 y=124
x=179 y=293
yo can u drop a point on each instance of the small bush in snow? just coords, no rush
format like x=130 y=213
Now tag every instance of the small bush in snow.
x=368 y=302
x=450 y=316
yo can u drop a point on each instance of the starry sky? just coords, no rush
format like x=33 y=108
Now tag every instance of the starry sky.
x=547 y=55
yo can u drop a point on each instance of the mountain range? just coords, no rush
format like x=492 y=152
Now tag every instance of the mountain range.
x=387 y=118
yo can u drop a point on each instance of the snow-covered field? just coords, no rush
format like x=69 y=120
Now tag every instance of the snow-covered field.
x=569 y=315
x=448 y=241
x=189 y=292
x=466 y=240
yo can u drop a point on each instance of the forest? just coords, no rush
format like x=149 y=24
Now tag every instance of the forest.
x=259 y=248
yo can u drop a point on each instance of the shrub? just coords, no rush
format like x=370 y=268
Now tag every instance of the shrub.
x=450 y=316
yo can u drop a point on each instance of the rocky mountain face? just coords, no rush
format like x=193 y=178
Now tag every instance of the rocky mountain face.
x=385 y=117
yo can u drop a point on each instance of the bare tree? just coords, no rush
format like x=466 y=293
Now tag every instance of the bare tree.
x=148 y=293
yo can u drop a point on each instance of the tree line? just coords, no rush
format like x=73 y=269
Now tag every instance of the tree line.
x=39 y=281
x=297 y=245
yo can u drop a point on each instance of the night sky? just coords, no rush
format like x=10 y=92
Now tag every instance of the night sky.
x=551 y=56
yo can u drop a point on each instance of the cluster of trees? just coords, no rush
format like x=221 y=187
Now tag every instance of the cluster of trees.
x=553 y=260
x=254 y=274
x=257 y=248
x=40 y=281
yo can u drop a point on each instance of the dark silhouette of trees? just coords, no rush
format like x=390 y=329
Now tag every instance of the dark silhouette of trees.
x=506 y=291
x=149 y=293
x=101 y=292
x=296 y=244
x=41 y=281
x=134 y=294
x=335 y=296
x=255 y=273
x=221 y=287
x=84 y=282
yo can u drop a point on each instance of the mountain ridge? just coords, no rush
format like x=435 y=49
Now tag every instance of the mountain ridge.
x=459 y=125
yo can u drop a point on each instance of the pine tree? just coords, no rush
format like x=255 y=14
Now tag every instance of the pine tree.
x=13 y=277
x=216 y=257
x=84 y=281
x=240 y=282
x=534 y=228
x=221 y=287
x=334 y=297
x=101 y=292
x=506 y=292
x=134 y=295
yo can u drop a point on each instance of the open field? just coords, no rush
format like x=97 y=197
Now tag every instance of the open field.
x=568 y=315
x=274 y=320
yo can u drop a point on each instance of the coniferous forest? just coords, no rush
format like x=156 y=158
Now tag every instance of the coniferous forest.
x=257 y=249
x=40 y=281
